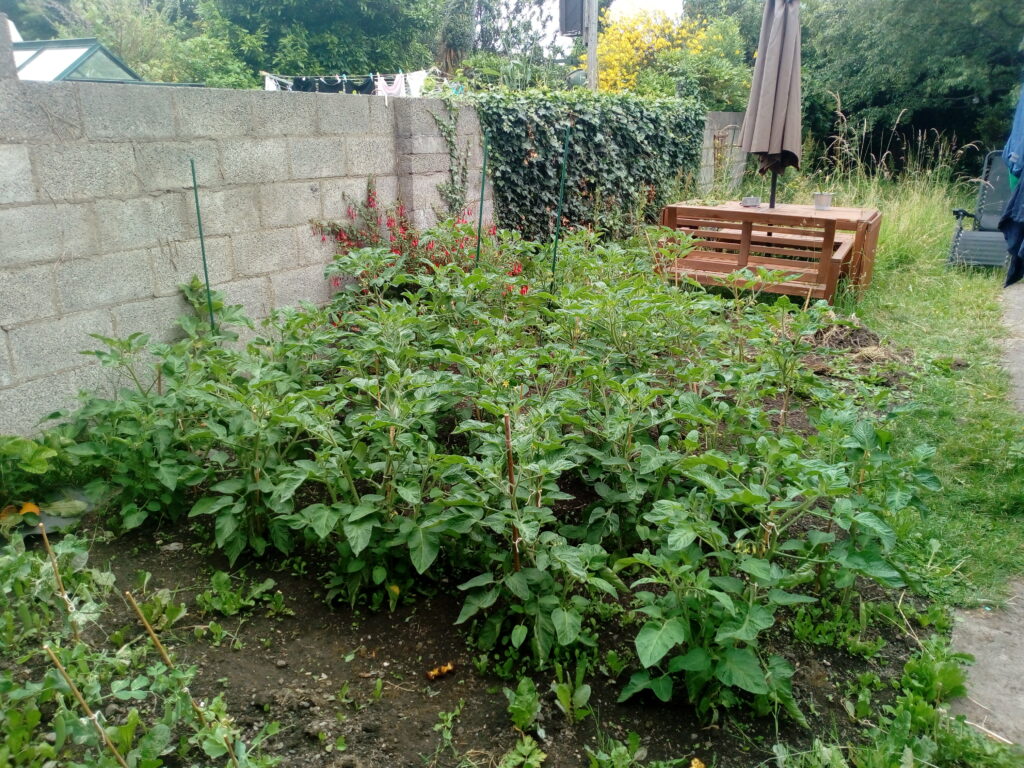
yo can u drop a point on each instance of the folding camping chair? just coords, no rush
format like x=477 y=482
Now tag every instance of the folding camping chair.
x=983 y=244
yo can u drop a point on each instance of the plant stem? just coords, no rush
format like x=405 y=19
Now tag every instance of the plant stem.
x=85 y=707
x=512 y=489
x=61 y=591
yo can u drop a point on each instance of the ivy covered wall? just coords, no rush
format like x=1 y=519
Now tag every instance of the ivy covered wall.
x=625 y=153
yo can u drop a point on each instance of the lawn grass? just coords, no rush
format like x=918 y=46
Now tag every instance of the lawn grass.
x=971 y=543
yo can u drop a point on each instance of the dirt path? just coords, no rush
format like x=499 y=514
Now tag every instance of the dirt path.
x=996 y=636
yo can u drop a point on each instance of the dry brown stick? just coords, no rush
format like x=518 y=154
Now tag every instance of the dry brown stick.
x=61 y=591
x=512 y=489
x=170 y=664
x=85 y=707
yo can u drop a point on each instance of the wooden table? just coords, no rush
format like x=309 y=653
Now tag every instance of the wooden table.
x=865 y=223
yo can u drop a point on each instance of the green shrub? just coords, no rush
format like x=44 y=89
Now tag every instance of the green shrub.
x=624 y=153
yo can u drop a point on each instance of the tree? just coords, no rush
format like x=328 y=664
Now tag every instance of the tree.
x=950 y=65
x=337 y=36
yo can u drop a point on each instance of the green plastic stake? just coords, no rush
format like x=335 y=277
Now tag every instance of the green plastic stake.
x=202 y=246
x=480 y=217
x=561 y=199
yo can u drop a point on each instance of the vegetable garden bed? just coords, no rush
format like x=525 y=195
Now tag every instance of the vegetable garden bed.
x=674 y=511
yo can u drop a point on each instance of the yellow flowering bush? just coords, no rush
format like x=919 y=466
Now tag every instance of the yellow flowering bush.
x=654 y=54
x=627 y=46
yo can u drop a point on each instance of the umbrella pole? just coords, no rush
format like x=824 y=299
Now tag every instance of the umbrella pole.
x=775 y=182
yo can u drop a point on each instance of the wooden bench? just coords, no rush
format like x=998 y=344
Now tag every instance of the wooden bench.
x=808 y=254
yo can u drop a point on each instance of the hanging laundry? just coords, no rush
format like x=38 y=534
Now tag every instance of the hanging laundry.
x=396 y=88
x=270 y=83
x=415 y=81
x=366 y=87
x=330 y=84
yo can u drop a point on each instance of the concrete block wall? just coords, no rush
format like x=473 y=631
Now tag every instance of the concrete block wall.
x=98 y=224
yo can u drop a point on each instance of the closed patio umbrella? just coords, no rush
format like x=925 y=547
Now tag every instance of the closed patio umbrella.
x=771 y=126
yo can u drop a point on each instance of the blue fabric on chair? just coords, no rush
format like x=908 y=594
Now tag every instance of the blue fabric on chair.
x=1013 y=152
x=1012 y=227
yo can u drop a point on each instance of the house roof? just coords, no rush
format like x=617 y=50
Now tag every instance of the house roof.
x=77 y=59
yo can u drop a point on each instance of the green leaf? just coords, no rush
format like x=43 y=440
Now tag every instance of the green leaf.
x=779 y=597
x=657 y=638
x=210 y=504
x=225 y=527
x=740 y=668
x=423 y=545
x=322 y=519
x=518 y=635
x=133 y=517
x=567 y=625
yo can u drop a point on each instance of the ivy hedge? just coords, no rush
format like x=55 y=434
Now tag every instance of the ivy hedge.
x=625 y=152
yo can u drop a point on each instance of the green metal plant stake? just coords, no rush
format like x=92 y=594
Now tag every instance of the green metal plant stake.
x=561 y=199
x=480 y=217
x=202 y=246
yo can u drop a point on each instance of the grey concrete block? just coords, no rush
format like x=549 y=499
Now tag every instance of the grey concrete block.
x=289 y=205
x=340 y=114
x=312 y=247
x=415 y=117
x=263 y=252
x=156 y=317
x=467 y=122
x=99 y=281
x=22 y=406
x=6 y=369
x=387 y=189
x=298 y=285
x=254 y=161
x=284 y=113
x=318 y=158
x=252 y=294
x=144 y=222
x=420 y=192
x=423 y=145
x=165 y=165
x=383 y=116
x=15 y=175
x=26 y=294
x=417 y=164
x=176 y=262
x=370 y=155
x=112 y=110
x=339 y=194
x=228 y=210
x=39 y=233
x=55 y=345
x=85 y=171
x=213 y=112
x=32 y=111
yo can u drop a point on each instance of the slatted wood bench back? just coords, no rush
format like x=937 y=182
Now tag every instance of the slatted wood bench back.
x=808 y=254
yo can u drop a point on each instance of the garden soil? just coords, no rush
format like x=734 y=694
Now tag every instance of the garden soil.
x=316 y=673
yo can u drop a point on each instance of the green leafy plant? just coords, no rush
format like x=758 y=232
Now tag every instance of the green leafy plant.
x=524 y=704
x=228 y=599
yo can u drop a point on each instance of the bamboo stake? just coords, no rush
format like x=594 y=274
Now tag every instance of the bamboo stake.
x=170 y=665
x=61 y=591
x=85 y=707
x=512 y=489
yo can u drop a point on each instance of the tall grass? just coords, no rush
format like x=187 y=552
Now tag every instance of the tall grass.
x=972 y=542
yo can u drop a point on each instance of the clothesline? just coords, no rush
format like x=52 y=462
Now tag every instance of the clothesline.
x=399 y=85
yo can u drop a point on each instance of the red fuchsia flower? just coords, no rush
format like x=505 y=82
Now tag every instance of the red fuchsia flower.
x=401 y=209
x=507 y=289
x=396 y=251
x=517 y=269
x=415 y=242
x=430 y=245
x=323 y=238
x=391 y=221
x=392 y=238
x=524 y=290
x=351 y=212
x=492 y=230
x=336 y=282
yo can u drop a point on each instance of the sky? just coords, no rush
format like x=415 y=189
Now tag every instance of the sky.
x=629 y=7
